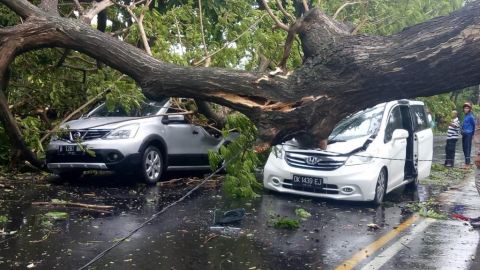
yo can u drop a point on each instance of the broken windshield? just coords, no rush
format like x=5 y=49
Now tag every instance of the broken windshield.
x=363 y=123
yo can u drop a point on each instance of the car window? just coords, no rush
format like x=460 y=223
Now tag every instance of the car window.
x=146 y=109
x=419 y=117
x=394 y=122
x=361 y=124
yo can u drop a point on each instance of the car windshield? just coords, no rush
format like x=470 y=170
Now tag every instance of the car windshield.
x=363 y=123
x=146 y=109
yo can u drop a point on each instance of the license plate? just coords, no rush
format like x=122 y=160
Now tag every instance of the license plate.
x=70 y=149
x=307 y=182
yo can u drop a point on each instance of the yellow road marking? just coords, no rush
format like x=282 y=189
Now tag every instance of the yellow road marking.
x=373 y=247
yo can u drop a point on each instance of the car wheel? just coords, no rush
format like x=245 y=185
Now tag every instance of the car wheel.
x=413 y=185
x=381 y=187
x=152 y=165
x=70 y=175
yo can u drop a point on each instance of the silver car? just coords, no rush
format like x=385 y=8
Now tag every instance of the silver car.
x=144 y=141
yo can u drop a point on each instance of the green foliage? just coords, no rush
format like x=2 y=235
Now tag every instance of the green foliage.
x=286 y=223
x=56 y=215
x=32 y=126
x=240 y=181
x=302 y=213
x=428 y=209
x=441 y=107
x=3 y=219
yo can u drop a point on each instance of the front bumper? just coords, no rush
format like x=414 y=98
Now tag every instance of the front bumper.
x=351 y=183
x=125 y=157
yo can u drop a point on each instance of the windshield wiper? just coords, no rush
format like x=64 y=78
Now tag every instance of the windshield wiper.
x=335 y=141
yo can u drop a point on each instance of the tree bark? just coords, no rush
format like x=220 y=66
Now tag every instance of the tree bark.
x=341 y=74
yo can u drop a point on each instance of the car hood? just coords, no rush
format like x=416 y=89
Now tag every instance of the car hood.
x=333 y=148
x=99 y=122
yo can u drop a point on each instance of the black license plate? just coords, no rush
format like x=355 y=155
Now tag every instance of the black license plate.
x=307 y=182
x=70 y=150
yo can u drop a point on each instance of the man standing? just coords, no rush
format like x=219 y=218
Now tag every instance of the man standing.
x=468 y=129
x=453 y=135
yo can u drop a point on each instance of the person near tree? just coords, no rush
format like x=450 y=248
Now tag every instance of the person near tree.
x=453 y=135
x=468 y=130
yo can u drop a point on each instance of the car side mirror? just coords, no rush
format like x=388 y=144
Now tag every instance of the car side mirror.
x=174 y=118
x=399 y=134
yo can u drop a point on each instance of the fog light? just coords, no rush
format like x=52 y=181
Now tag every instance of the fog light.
x=348 y=190
x=113 y=156
x=276 y=181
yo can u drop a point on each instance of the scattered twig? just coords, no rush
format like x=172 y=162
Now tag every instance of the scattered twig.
x=74 y=204
x=213 y=236
x=405 y=245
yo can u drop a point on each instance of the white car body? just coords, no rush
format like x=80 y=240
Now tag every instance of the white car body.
x=349 y=169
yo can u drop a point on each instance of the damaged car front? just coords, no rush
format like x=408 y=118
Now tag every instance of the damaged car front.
x=345 y=170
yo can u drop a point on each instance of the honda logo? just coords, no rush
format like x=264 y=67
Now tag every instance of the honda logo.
x=312 y=160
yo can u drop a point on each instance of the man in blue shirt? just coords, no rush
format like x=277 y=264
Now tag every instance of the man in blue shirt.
x=468 y=129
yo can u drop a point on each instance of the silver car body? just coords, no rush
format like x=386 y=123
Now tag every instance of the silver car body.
x=184 y=145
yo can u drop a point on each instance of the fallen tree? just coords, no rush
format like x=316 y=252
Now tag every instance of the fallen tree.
x=341 y=72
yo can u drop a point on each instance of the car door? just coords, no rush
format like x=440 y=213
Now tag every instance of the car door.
x=423 y=141
x=188 y=144
x=395 y=150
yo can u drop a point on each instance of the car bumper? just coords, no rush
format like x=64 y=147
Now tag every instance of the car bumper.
x=360 y=179
x=106 y=157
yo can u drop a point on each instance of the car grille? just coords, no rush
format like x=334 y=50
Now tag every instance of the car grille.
x=83 y=135
x=315 y=161
x=325 y=189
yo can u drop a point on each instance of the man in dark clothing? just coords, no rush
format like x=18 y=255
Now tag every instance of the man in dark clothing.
x=453 y=135
x=468 y=129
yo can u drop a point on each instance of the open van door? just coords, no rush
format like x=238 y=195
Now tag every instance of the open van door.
x=423 y=152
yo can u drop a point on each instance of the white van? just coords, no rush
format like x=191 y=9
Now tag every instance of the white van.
x=369 y=154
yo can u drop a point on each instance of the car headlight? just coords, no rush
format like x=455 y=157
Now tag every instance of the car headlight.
x=359 y=159
x=277 y=151
x=123 y=132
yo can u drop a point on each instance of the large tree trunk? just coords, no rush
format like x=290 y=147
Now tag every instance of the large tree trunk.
x=341 y=74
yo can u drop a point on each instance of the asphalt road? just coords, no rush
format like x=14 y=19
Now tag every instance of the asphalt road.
x=336 y=236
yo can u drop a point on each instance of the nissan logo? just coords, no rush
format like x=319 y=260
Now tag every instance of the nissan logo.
x=77 y=135
x=312 y=160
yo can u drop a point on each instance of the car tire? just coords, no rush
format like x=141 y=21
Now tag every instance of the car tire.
x=70 y=175
x=152 y=165
x=413 y=185
x=380 y=188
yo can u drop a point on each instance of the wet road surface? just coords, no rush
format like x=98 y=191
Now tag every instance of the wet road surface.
x=182 y=238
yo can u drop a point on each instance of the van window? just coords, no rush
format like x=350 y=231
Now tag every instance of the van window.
x=363 y=123
x=420 y=119
x=394 y=122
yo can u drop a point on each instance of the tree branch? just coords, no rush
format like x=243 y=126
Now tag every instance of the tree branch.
x=96 y=8
x=277 y=21
x=285 y=13
x=343 y=7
